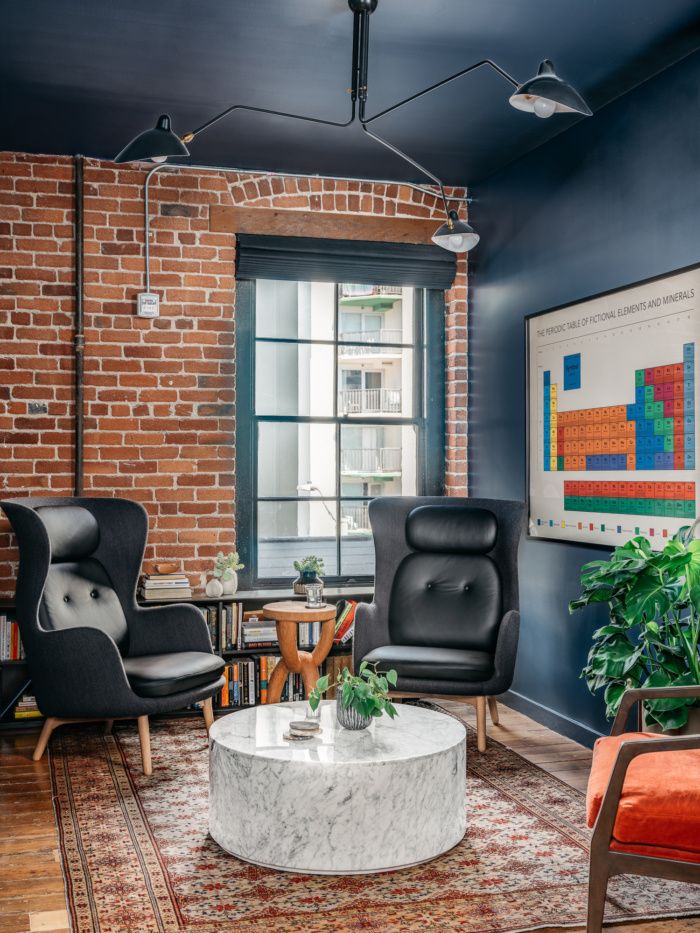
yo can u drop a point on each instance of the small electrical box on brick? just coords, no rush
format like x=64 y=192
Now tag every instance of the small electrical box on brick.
x=148 y=304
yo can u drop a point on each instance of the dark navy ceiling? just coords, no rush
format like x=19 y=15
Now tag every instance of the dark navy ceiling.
x=84 y=76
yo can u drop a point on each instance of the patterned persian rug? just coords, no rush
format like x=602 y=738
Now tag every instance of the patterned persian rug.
x=137 y=857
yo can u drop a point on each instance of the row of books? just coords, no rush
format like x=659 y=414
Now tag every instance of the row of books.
x=224 y=624
x=344 y=620
x=247 y=681
x=26 y=708
x=157 y=587
x=232 y=629
x=11 y=648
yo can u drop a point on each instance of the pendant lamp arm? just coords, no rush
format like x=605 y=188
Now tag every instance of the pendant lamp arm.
x=188 y=137
x=433 y=87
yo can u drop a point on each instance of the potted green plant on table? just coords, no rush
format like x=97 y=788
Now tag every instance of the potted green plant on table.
x=310 y=570
x=224 y=576
x=652 y=637
x=360 y=697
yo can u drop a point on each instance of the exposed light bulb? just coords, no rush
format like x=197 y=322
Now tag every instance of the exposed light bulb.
x=544 y=108
x=456 y=241
x=159 y=158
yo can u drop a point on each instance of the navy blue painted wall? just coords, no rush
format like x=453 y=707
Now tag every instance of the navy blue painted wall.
x=614 y=200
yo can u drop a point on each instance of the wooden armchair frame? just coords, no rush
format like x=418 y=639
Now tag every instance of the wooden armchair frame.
x=605 y=863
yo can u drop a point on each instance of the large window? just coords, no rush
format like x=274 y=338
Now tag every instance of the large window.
x=334 y=409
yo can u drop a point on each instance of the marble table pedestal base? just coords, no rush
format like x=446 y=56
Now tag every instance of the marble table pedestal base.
x=344 y=802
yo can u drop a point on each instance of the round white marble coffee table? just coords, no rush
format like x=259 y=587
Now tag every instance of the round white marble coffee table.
x=344 y=802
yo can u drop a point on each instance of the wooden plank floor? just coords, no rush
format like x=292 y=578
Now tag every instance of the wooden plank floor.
x=31 y=884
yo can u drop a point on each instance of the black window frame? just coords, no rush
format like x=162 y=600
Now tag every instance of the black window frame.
x=428 y=418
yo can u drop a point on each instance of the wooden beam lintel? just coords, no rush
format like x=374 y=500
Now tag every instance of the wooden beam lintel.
x=273 y=222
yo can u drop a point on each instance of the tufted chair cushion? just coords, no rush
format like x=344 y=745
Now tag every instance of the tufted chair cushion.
x=450 y=601
x=80 y=593
x=447 y=593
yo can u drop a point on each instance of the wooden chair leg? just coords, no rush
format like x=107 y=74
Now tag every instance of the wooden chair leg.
x=481 y=723
x=208 y=710
x=493 y=710
x=145 y=741
x=597 y=891
x=109 y=723
x=48 y=727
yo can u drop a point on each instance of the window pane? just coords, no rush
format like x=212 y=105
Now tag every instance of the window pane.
x=356 y=543
x=296 y=310
x=375 y=314
x=288 y=531
x=378 y=460
x=379 y=383
x=296 y=459
x=293 y=379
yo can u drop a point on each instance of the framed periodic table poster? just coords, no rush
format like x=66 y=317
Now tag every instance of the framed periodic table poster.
x=611 y=414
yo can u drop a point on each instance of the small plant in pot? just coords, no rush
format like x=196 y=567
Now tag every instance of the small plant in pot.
x=652 y=637
x=310 y=570
x=361 y=697
x=224 y=576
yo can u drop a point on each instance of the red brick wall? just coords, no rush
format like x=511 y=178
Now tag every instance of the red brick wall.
x=159 y=396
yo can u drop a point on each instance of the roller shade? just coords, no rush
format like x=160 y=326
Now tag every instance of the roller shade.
x=307 y=259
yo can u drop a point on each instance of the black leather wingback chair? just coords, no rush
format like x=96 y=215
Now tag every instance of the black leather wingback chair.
x=445 y=612
x=92 y=652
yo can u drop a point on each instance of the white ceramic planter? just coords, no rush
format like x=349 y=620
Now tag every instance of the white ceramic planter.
x=230 y=586
x=214 y=588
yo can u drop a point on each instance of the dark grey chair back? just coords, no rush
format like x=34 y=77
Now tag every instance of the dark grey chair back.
x=447 y=592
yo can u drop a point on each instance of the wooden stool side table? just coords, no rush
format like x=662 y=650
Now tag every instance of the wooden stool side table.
x=287 y=614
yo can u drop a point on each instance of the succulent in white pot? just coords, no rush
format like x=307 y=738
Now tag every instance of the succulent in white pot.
x=225 y=573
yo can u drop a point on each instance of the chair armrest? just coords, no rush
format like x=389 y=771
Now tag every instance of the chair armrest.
x=165 y=629
x=505 y=654
x=78 y=672
x=370 y=631
x=631 y=697
x=628 y=751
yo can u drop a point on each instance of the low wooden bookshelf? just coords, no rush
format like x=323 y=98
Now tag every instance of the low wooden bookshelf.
x=14 y=675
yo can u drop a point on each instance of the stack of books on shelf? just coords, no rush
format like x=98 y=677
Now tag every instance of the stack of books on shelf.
x=10 y=643
x=158 y=587
x=26 y=708
x=258 y=632
x=344 y=621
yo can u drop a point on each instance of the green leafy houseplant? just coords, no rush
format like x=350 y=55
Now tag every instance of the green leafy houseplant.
x=226 y=565
x=367 y=692
x=652 y=637
x=310 y=565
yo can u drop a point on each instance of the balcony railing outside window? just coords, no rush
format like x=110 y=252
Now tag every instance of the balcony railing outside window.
x=364 y=342
x=357 y=291
x=369 y=401
x=371 y=460
x=355 y=517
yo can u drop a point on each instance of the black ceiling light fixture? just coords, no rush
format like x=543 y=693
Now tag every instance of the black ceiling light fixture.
x=543 y=95
x=156 y=145
x=547 y=93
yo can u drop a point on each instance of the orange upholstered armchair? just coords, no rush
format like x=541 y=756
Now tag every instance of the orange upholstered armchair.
x=644 y=804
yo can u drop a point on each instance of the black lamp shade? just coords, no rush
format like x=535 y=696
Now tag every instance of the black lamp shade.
x=155 y=145
x=547 y=88
x=455 y=235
